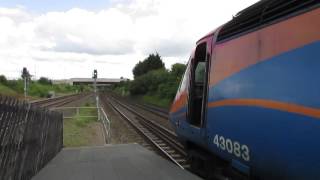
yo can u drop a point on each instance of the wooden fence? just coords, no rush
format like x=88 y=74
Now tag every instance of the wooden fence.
x=29 y=138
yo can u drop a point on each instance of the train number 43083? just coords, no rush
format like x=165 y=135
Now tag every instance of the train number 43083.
x=232 y=147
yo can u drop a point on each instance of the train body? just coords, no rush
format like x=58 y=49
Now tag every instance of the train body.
x=250 y=95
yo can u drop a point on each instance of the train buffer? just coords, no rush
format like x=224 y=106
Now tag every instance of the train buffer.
x=112 y=162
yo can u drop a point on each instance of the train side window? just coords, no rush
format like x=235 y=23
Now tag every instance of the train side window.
x=197 y=85
x=199 y=72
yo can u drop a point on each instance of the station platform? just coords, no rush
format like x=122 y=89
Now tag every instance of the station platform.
x=112 y=162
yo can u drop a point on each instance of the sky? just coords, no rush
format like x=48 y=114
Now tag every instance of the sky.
x=62 y=39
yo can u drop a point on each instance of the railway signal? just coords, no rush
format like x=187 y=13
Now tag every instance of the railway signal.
x=26 y=78
x=95 y=76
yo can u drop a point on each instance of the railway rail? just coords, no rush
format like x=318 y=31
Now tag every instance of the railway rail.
x=156 y=114
x=59 y=101
x=156 y=110
x=163 y=140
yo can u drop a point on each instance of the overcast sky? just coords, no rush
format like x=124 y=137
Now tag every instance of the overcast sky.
x=69 y=38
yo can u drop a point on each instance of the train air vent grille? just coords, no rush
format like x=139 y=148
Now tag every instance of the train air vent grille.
x=263 y=13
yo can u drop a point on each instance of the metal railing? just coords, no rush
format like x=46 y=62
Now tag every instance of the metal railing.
x=101 y=117
x=106 y=123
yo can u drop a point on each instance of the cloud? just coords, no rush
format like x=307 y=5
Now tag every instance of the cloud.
x=82 y=31
x=113 y=38
x=17 y=14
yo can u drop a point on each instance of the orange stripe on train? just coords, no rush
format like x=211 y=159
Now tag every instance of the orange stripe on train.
x=282 y=106
x=234 y=55
x=180 y=102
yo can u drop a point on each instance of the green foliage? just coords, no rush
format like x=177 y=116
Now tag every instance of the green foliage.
x=162 y=83
x=16 y=85
x=40 y=90
x=37 y=89
x=161 y=102
x=149 y=82
x=7 y=91
x=45 y=81
x=153 y=83
x=122 y=88
x=76 y=131
x=3 y=80
x=152 y=62
x=178 y=69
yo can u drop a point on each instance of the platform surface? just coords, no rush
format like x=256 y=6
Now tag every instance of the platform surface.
x=111 y=162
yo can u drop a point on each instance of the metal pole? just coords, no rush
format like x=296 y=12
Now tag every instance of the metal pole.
x=98 y=108
x=25 y=87
x=95 y=76
x=95 y=85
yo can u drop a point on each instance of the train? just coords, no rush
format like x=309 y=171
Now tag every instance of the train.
x=248 y=104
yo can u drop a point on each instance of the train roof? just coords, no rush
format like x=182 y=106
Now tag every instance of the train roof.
x=261 y=14
x=211 y=33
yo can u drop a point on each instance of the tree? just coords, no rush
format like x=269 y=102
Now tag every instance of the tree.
x=152 y=80
x=178 y=69
x=44 y=81
x=3 y=80
x=149 y=83
x=152 y=62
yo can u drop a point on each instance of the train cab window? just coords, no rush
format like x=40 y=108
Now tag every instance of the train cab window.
x=197 y=85
x=199 y=72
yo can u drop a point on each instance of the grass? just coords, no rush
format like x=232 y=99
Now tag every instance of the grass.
x=76 y=131
x=38 y=90
x=161 y=102
x=149 y=99
x=7 y=91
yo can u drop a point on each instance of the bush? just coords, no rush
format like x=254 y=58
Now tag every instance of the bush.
x=40 y=90
x=152 y=62
x=45 y=81
x=161 y=83
x=151 y=80
x=16 y=85
x=3 y=80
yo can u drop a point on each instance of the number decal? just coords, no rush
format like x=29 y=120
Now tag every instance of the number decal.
x=222 y=143
x=232 y=147
x=216 y=140
x=236 y=150
x=245 y=153
x=229 y=146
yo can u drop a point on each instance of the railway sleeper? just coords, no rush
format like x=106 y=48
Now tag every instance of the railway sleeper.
x=165 y=147
x=171 y=151
x=162 y=144
x=180 y=160
x=175 y=155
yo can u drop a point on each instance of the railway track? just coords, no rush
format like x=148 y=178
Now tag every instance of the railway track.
x=158 y=111
x=59 y=101
x=163 y=140
x=156 y=114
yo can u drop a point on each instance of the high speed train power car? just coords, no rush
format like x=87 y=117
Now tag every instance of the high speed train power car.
x=249 y=102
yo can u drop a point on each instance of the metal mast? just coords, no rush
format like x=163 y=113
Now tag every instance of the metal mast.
x=95 y=76
x=26 y=77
